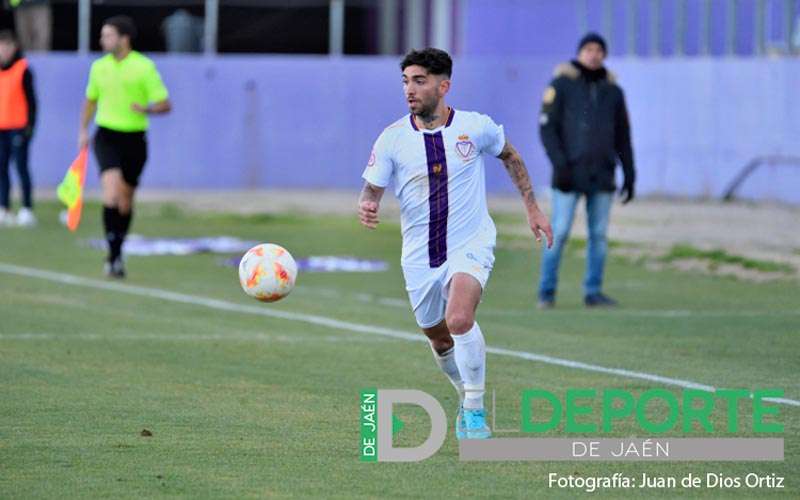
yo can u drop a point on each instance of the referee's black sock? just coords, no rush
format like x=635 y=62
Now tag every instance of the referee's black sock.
x=125 y=223
x=111 y=224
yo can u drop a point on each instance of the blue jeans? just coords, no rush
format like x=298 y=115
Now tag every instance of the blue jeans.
x=598 y=208
x=14 y=144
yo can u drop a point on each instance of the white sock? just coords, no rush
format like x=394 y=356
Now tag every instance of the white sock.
x=447 y=363
x=470 y=354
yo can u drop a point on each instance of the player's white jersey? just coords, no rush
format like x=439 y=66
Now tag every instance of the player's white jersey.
x=440 y=180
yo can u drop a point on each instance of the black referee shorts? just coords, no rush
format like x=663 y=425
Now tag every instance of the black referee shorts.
x=124 y=150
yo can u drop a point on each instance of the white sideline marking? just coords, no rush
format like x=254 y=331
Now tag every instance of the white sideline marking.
x=344 y=325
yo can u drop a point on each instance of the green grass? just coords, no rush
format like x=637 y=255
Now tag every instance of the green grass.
x=579 y=244
x=717 y=256
x=243 y=405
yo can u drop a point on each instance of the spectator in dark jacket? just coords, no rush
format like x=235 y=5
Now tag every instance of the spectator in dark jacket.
x=585 y=131
x=17 y=121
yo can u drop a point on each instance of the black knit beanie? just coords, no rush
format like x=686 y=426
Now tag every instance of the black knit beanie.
x=593 y=38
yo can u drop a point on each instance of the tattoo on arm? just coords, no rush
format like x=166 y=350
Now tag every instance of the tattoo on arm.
x=370 y=193
x=518 y=172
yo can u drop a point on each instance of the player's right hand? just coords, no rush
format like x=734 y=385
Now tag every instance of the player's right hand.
x=83 y=139
x=368 y=214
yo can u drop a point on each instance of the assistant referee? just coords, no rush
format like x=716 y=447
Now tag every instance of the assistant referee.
x=124 y=87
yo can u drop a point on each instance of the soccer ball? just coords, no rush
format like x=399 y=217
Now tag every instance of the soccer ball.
x=267 y=272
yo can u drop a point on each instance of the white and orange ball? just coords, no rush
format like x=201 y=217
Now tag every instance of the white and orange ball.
x=267 y=272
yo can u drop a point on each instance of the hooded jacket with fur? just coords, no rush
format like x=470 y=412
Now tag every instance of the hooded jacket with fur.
x=585 y=130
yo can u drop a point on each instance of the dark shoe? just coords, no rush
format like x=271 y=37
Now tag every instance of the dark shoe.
x=115 y=268
x=599 y=300
x=546 y=301
x=546 y=304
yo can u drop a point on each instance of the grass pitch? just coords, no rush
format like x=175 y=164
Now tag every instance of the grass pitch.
x=243 y=405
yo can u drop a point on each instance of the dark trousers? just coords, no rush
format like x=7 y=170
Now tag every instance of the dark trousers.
x=14 y=145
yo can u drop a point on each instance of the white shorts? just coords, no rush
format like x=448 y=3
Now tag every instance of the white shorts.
x=428 y=288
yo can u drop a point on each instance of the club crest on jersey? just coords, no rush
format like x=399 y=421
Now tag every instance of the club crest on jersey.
x=437 y=168
x=464 y=147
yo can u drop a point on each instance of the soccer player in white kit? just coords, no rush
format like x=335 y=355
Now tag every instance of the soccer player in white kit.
x=433 y=156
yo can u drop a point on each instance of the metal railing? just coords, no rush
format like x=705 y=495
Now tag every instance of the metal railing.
x=766 y=15
x=752 y=166
x=731 y=10
x=413 y=11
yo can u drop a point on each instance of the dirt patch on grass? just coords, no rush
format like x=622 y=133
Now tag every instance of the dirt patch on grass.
x=646 y=228
x=754 y=242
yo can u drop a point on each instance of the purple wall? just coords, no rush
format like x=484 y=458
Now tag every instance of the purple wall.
x=519 y=28
x=264 y=121
x=551 y=27
x=697 y=122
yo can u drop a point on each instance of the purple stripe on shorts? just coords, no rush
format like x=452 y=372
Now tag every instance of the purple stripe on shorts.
x=437 y=199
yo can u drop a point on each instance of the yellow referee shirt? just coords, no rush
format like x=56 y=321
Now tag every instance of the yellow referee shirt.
x=116 y=85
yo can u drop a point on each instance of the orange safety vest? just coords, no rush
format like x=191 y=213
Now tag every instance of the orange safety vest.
x=13 y=102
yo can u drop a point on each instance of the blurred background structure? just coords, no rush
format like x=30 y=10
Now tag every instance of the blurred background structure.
x=291 y=93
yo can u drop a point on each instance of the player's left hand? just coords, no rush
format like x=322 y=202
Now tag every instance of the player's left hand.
x=539 y=224
x=368 y=213
x=139 y=108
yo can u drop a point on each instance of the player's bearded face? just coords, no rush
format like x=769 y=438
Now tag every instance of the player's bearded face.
x=423 y=91
x=425 y=106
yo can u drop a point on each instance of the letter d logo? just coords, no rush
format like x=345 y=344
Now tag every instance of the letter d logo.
x=388 y=453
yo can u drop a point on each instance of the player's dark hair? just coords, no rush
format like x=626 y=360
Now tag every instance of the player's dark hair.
x=124 y=26
x=7 y=36
x=436 y=61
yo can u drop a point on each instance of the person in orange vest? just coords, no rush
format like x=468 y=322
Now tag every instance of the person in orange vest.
x=17 y=121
